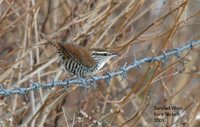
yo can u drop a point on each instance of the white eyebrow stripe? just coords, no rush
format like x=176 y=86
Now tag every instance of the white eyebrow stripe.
x=98 y=52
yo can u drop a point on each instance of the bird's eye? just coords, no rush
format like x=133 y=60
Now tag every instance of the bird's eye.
x=105 y=54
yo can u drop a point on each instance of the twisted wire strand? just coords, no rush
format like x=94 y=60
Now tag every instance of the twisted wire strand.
x=83 y=82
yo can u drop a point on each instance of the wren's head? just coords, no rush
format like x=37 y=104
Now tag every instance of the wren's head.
x=101 y=57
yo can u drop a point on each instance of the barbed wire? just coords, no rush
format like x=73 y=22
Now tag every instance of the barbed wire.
x=91 y=81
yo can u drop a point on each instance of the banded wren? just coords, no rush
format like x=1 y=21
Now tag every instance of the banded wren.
x=80 y=60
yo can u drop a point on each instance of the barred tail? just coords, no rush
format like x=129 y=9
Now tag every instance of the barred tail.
x=49 y=39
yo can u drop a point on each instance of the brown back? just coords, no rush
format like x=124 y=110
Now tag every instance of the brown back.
x=78 y=53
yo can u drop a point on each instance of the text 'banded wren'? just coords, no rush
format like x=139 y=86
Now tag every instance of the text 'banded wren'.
x=79 y=60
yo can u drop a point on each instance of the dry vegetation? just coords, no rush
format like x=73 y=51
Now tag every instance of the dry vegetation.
x=134 y=28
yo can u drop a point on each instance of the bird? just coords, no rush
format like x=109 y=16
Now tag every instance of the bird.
x=79 y=60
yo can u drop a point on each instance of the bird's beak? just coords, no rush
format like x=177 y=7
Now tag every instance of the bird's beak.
x=114 y=55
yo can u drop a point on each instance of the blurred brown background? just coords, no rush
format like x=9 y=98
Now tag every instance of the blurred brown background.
x=134 y=28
